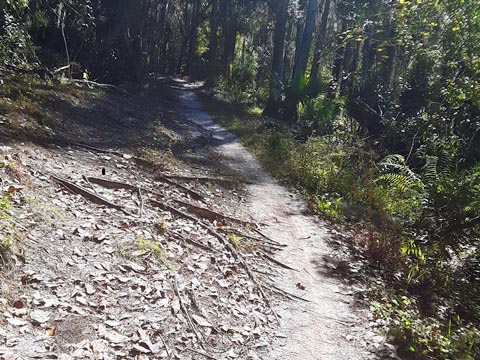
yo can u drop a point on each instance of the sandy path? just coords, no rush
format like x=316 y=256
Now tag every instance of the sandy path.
x=327 y=327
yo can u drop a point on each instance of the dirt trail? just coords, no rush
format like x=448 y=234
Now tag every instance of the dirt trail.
x=93 y=282
x=327 y=327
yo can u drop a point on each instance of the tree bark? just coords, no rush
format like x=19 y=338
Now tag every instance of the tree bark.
x=301 y=61
x=193 y=35
x=273 y=104
x=213 y=45
x=320 y=43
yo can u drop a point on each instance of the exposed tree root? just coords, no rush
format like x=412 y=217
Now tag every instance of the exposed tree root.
x=277 y=262
x=227 y=245
x=87 y=194
x=210 y=214
x=192 y=193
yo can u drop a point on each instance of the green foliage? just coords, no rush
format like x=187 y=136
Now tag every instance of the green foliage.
x=242 y=86
x=15 y=46
x=320 y=114
x=329 y=207
x=7 y=229
x=279 y=145
x=426 y=337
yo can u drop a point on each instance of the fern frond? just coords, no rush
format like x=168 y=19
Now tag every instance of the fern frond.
x=430 y=173
x=397 y=163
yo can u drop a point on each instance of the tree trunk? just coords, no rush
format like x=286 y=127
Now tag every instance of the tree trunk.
x=317 y=54
x=273 y=104
x=289 y=51
x=301 y=61
x=162 y=59
x=229 y=35
x=213 y=45
x=193 y=34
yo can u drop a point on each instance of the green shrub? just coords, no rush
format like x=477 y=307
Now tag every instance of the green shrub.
x=6 y=229
x=421 y=337
x=320 y=114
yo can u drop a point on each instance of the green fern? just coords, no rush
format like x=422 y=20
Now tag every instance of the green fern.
x=399 y=174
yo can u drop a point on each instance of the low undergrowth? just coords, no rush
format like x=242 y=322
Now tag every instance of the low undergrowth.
x=427 y=258
x=32 y=108
x=6 y=230
x=10 y=196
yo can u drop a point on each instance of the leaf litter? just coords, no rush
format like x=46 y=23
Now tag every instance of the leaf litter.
x=106 y=279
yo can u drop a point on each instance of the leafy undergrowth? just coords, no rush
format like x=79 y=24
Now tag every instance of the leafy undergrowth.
x=426 y=297
x=12 y=182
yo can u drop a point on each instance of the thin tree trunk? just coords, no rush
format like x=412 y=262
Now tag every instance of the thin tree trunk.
x=274 y=101
x=193 y=37
x=301 y=61
x=320 y=43
x=289 y=51
x=162 y=60
x=213 y=45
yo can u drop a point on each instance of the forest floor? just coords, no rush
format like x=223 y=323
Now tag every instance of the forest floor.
x=141 y=229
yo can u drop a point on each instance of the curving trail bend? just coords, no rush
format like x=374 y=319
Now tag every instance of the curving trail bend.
x=327 y=327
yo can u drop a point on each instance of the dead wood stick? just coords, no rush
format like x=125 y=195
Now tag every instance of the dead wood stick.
x=109 y=184
x=15 y=221
x=275 y=261
x=186 y=313
x=210 y=214
x=159 y=334
x=250 y=274
x=172 y=210
x=192 y=193
x=200 y=178
x=286 y=293
x=200 y=353
x=140 y=197
x=268 y=238
x=263 y=241
x=111 y=152
x=195 y=243
x=90 y=184
x=264 y=272
x=87 y=194
x=92 y=148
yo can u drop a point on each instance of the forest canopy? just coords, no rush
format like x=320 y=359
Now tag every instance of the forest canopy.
x=375 y=105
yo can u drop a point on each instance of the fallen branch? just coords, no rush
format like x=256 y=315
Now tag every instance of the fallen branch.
x=261 y=241
x=268 y=238
x=195 y=243
x=89 y=184
x=250 y=274
x=192 y=193
x=102 y=151
x=159 y=334
x=202 y=179
x=112 y=152
x=109 y=184
x=90 y=83
x=275 y=261
x=87 y=194
x=172 y=210
x=200 y=353
x=286 y=293
x=140 y=197
x=186 y=313
x=15 y=221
